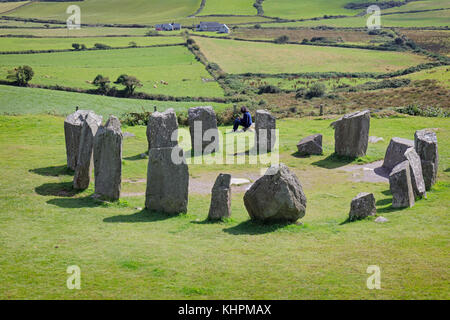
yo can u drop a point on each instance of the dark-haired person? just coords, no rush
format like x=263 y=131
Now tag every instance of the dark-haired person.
x=245 y=121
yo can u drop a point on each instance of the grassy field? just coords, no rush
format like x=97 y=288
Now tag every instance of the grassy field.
x=273 y=58
x=176 y=65
x=114 y=11
x=21 y=44
x=437 y=41
x=7 y=6
x=16 y=100
x=125 y=252
x=234 y=7
x=440 y=74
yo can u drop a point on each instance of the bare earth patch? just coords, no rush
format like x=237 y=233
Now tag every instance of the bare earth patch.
x=371 y=172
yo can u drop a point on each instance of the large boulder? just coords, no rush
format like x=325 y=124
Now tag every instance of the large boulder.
x=203 y=129
x=426 y=145
x=395 y=153
x=84 y=165
x=415 y=166
x=265 y=126
x=72 y=133
x=362 y=206
x=401 y=186
x=276 y=197
x=351 y=134
x=160 y=128
x=220 y=198
x=310 y=145
x=167 y=181
x=108 y=159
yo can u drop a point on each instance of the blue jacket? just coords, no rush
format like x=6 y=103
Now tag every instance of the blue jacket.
x=246 y=120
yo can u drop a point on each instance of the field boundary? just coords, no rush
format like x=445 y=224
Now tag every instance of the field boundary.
x=202 y=6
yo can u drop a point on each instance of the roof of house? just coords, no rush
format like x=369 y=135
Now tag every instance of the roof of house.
x=211 y=24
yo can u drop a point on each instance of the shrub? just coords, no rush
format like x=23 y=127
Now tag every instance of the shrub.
x=300 y=93
x=281 y=39
x=130 y=83
x=257 y=26
x=132 y=44
x=150 y=33
x=102 y=83
x=269 y=89
x=424 y=111
x=190 y=41
x=316 y=90
x=76 y=46
x=21 y=75
x=101 y=46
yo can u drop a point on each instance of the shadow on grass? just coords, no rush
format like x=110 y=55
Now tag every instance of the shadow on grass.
x=53 y=171
x=75 y=203
x=250 y=227
x=383 y=202
x=136 y=157
x=141 y=216
x=387 y=192
x=333 y=161
x=447 y=170
x=390 y=209
x=60 y=189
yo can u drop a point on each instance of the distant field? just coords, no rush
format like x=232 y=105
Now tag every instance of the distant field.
x=83 y=32
x=16 y=100
x=176 y=65
x=441 y=74
x=6 y=6
x=235 y=7
x=273 y=58
x=18 y=44
x=114 y=11
x=420 y=5
x=433 y=40
x=439 y=18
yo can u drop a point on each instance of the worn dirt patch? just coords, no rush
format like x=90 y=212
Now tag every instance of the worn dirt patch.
x=371 y=172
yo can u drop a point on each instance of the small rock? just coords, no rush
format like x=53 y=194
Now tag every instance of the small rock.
x=373 y=139
x=381 y=219
x=362 y=206
x=239 y=181
x=311 y=145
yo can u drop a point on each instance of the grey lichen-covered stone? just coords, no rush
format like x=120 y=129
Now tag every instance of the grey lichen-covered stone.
x=416 y=172
x=203 y=130
x=167 y=181
x=395 y=153
x=362 y=206
x=401 y=186
x=310 y=145
x=108 y=159
x=84 y=165
x=220 y=206
x=276 y=197
x=160 y=127
x=351 y=134
x=72 y=133
x=426 y=145
x=265 y=126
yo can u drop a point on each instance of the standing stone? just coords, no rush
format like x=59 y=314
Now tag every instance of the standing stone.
x=108 y=159
x=395 y=153
x=85 y=151
x=160 y=128
x=401 y=186
x=362 y=206
x=220 y=198
x=416 y=172
x=310 y=145
x=276 y=197
x=265 y=125
x=425 y=142
x=351 y=134
x=167 y=181
x=72 y=132
x=203 y=129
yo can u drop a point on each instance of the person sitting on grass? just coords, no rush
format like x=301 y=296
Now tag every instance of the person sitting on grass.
x=245 y=121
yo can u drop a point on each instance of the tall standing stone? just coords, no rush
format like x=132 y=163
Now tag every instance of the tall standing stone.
x=265 y=126
x=83 y=168
x=401 y=186
x=416 y=172
x=351 y=134
x=426 y=145
x=72 y=132
x=160 y=127
x=203 y=129
x=395 y=152
x=276 y=197
x=167 y=180
x=220 y=198
x=108 y=159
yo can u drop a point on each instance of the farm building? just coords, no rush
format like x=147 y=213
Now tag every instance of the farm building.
x=213 y=26
x=168 y=27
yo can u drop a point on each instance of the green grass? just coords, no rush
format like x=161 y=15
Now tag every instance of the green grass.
x=176 y=65
x=16 y=100
x=20 y=44
x=7 y=6
x=441 y=74
x=83 y=32
x=127 y=253
x=113 y=11
x=273 y=58
x=234 y=7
